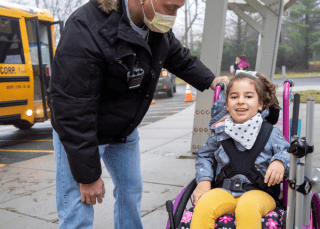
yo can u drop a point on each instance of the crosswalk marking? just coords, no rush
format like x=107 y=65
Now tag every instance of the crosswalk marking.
x=27 y=151
x=163 y=112
x=168 y=108
x=158 y=116
x=30 y=140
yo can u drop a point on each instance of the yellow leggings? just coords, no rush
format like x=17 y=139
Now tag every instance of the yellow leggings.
x=248 y=208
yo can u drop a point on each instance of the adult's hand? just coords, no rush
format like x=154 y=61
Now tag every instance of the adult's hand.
x=218 y=80
x=202 y=188
x=93 y=191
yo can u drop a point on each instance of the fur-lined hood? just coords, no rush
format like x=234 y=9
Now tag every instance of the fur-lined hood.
x=108 y=5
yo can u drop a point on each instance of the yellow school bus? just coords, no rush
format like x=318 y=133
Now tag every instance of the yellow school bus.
x=25 y=68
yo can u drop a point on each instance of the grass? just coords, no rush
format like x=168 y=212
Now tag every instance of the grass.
x=313 y=62
x=298 y=74
x=305 y=95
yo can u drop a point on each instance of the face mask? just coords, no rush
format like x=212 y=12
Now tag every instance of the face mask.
x=160 y=23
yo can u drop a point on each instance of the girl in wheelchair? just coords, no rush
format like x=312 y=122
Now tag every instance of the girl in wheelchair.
x=240 y=167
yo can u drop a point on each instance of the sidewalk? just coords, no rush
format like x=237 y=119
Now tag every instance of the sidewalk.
x=27 y=198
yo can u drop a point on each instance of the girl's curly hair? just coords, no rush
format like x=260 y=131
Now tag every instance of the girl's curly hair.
x=265 y=89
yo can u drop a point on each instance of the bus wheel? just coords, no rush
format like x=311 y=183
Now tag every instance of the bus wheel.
x=23 y=124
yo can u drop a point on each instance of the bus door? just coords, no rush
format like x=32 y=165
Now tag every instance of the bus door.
x=40 y=34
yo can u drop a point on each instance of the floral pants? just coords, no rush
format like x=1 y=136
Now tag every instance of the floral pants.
x=273 y=220
x=216 y=209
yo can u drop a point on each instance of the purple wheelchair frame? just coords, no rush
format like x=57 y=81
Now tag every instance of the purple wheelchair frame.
x=286 y=102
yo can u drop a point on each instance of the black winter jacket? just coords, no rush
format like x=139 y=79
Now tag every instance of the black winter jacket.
x=88 y=94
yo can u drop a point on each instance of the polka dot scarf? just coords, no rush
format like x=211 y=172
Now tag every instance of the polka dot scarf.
x=245 y=133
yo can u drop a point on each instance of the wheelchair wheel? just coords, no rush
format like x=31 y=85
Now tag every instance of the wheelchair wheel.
x=314 y=215
x=315 y=207
x=179 y=211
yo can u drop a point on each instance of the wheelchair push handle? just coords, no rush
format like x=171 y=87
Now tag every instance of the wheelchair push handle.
x=220 y=86
x=169 y=207
x=290 y=81
x=286 y=101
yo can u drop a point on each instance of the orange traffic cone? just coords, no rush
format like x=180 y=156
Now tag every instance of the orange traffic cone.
x=152 y=102
x=188 y=94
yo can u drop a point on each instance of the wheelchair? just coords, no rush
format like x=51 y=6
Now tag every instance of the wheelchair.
x=299 y=206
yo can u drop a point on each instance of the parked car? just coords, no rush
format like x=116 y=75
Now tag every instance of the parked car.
x=166 y=83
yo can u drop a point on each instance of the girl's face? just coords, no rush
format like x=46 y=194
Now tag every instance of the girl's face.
x=243 y=101
x=237 y=59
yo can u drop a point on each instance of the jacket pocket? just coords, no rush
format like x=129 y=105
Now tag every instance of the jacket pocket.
x=95 y=82
x=78 y=77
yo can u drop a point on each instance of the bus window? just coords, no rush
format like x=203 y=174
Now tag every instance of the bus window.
x=44 y=42
x=11 y=51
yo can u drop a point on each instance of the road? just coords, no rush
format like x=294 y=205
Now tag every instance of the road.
x=20 y=145
x=300 y=81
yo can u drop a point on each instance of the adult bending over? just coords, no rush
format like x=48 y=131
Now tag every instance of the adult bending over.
x=104 y=76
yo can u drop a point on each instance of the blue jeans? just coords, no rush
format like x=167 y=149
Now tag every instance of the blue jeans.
x=123 y=164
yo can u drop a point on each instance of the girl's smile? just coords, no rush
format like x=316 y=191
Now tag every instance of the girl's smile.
x=241 y=111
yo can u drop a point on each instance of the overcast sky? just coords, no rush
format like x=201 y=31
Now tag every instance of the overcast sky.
x=178 y=27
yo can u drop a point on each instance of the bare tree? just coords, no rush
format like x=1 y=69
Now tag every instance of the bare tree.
x=21 y=2
x=190 y=18
x=60 y=9
x=239 y=32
